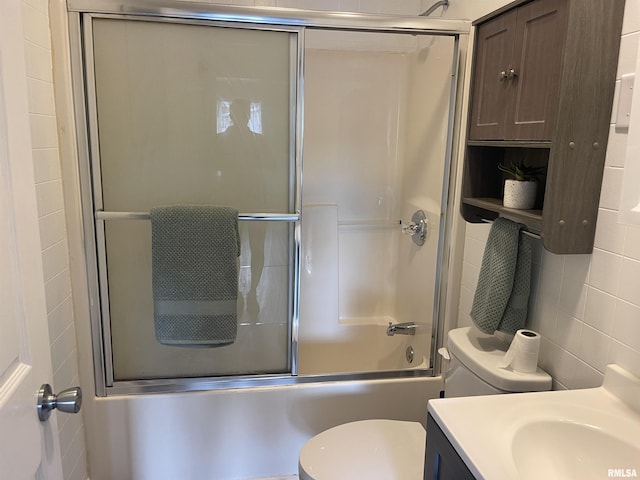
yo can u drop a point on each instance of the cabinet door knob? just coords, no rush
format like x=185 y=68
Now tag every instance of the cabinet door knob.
x=508 y=74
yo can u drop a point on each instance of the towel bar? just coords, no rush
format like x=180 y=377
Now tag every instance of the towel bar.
x=526 y=232
x=286 y=217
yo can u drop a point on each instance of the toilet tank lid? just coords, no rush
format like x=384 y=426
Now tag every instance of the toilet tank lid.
x=482 y=353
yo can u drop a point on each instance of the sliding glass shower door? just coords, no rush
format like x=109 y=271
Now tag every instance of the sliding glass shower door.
x=182 y=114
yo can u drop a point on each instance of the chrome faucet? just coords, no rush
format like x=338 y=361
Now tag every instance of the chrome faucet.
x=406 y=328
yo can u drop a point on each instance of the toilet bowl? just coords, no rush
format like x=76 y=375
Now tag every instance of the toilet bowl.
x=392 y=449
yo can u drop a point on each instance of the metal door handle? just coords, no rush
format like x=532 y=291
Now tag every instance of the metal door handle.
x=68 y=401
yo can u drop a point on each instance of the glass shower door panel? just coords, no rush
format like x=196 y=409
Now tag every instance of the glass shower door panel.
x=376 y=118
x=194 y=114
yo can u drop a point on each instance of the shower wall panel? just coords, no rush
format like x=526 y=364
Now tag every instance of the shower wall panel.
x=353 y=105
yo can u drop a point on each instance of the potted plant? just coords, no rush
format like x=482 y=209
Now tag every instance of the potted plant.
x=520 y=191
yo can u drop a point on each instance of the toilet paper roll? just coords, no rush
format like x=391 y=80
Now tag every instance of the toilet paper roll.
x=522 y=355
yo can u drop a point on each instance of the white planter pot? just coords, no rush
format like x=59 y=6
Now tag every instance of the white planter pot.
x=520 y=195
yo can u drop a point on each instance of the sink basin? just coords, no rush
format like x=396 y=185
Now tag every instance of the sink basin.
x=569 y=450
x=572 y=434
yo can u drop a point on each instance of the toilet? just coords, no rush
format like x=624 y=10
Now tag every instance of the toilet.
x=391 y=449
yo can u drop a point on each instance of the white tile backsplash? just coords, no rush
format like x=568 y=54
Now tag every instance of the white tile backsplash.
x=626 y=327
x=628 y=53
x=49 y=197
x=611 y=188
x=573 y=296
x=629 y=289
x=54 y=260
x=36 y=26
x=632 y=243
x=59 y=318
x=600 y=310
x=38 y=62
x=568 y=332
x=40 y=97
x=628 y=358
x=57 y=290
x=610 y=234
x=616 y=146
x=594 y=347
x=605 y=271
x=577 y=267
x=43 y=131
x=470 y=276
x=631 y=22
x=46 y=164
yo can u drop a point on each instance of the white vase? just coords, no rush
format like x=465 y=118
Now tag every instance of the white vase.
x=519 y=194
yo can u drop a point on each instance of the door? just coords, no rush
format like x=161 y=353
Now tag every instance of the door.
x=191 y=114
x=539 y=44
x=491 y=83
x=28 y=449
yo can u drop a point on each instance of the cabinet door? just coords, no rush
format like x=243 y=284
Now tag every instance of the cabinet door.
x=493 y=54
x=537 y=58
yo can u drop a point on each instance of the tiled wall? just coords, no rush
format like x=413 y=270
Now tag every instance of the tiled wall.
x=587 y=307
x=52 y=228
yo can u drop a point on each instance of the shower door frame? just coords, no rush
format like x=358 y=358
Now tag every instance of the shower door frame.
x=254 y=18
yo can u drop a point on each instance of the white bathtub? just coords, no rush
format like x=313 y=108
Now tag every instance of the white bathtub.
x=236 y=434
x=363 y=348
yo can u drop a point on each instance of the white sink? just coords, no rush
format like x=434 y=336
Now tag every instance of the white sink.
x=581 y=434
x=566 y=449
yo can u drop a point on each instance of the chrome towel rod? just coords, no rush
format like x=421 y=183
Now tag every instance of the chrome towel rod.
x=526 y=232
x=286 y=217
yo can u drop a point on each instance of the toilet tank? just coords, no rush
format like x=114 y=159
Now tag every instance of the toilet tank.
x=474 y=367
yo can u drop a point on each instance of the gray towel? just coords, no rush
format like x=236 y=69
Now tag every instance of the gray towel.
x=195 y=253
x=502 y=294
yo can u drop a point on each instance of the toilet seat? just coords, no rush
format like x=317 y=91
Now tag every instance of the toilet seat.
x=371 y=449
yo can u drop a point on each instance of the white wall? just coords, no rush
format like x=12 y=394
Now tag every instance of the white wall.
x=53 y=235
x=587 y=307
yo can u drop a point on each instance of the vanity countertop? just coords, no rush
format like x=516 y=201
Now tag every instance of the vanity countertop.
x=565 y=434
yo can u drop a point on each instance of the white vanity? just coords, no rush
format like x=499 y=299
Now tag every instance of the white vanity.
x=583 y=434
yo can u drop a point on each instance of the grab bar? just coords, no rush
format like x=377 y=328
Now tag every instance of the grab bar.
x=286 y=217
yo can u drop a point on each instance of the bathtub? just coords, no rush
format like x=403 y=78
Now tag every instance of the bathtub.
x=237 y=434
x=356 y=347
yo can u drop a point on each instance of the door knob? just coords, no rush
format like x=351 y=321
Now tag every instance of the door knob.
x=68 y=401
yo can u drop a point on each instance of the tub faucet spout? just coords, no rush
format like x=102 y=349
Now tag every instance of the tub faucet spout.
x=406 y=328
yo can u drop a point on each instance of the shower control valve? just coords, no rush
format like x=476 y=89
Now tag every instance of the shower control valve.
x=417 y=228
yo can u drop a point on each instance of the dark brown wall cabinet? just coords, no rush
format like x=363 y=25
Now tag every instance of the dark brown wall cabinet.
x=542 y=87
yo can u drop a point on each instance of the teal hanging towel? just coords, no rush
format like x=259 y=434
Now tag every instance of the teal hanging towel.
x=195 y=266
x=502 y=295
